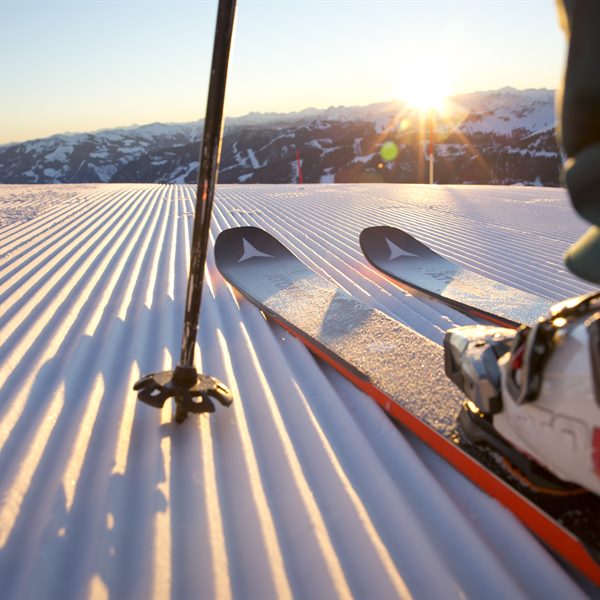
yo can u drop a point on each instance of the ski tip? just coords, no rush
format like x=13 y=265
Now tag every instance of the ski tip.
x=240 y=245
x=369 y=234
x=383 y=243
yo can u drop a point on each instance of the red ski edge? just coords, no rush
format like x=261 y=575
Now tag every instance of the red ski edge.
x=553 y=535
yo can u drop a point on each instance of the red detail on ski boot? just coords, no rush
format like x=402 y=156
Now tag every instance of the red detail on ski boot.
x=596 y=450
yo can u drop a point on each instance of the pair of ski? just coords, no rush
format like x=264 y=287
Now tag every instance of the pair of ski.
x=402 y=370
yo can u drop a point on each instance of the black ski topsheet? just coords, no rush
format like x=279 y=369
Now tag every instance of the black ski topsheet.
x=404 y=373
x=416 y=266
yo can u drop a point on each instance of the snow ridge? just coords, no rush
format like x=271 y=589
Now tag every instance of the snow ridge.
x=102 y=496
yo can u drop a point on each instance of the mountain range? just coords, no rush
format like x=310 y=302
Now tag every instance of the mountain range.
x=504 y=136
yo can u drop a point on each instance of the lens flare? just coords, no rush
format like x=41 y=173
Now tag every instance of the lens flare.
x=389 y=151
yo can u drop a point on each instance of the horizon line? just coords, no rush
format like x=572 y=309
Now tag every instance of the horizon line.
x=258 y=112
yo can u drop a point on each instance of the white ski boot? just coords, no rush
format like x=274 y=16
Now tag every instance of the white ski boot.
x=534 y=393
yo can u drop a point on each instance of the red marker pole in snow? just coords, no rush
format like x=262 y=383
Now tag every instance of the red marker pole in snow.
x=299 y=167
x=430 y=146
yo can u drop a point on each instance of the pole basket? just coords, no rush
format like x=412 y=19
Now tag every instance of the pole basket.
x=193 y=392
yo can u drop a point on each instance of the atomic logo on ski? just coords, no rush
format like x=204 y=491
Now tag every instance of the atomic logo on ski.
x=251 y=252
x=397 y=252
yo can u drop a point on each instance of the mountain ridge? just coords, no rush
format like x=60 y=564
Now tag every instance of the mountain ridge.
x=497 y=136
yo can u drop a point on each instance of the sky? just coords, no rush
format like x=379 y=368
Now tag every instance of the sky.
x=79 y=65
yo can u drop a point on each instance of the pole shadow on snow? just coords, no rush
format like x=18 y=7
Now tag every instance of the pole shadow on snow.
x=107 y=537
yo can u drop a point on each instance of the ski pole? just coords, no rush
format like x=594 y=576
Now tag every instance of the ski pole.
x=191 y=390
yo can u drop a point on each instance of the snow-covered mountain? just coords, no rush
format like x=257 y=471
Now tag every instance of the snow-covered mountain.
x=503 y=136
x=89 y=157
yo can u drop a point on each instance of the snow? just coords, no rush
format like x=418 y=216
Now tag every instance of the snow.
x=129 y=149
x=52 y=173
x=104 y=172
x=302 y=487
x=180 y=174
x=381 y=123
x=60 y=154
x=270 y=142
x=509 y=109
x=364 y=159
x=253 y=160
x=110 y=135
x=318 y=143
x=328 y=176
x=447 y=149
x=329 y=150
x=542 y=154
x=151 y=131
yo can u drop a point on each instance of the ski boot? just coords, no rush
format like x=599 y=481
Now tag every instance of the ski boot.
x=534 y=394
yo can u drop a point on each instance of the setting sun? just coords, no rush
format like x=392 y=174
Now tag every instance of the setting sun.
x=425 y=85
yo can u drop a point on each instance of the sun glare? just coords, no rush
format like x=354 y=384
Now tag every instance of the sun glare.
x=425 y=85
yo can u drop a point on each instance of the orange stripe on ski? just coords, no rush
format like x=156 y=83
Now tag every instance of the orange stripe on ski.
x=554 y=536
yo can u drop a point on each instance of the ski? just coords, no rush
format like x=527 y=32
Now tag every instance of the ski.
x=417 y=267
x=404 y=373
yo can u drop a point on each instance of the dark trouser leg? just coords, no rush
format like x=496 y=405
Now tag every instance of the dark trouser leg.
x=580 y=129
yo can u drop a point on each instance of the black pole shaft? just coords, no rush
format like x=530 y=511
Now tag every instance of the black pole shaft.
x=207 y=176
